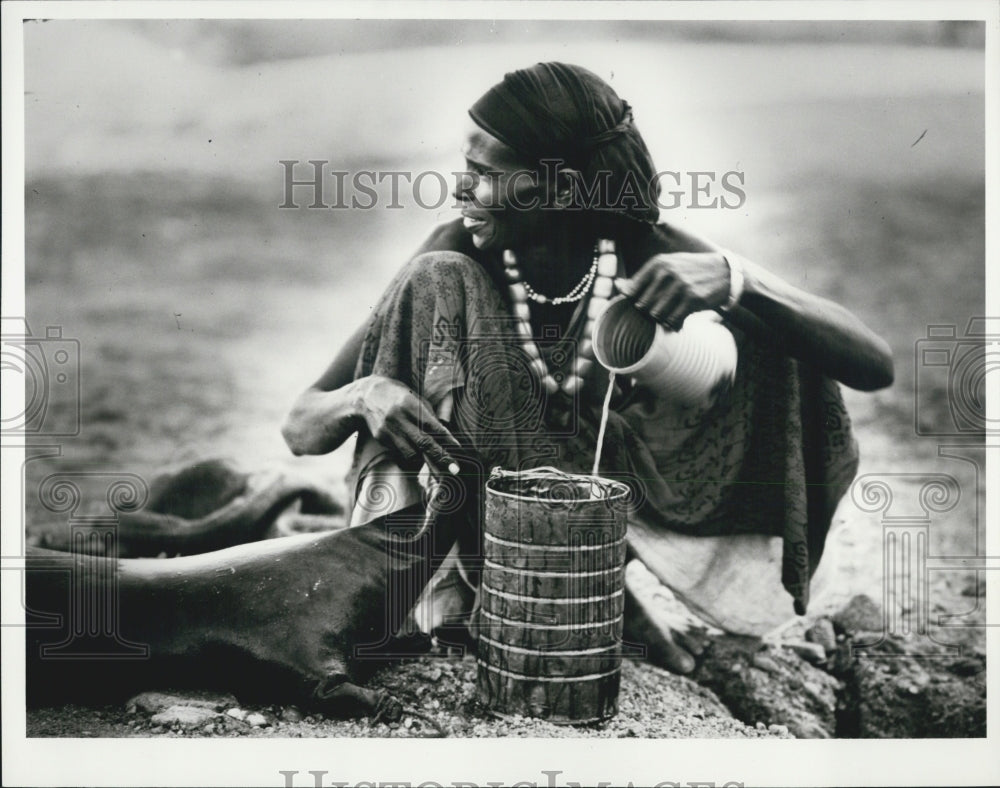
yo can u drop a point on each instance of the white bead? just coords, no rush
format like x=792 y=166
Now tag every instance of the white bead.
x=513 y=275
x=522 y=312
x=583 y=366
x=596 y=306
x=585 y=349
x=531 y=349
x=539 y=368
x=603 y=286
x=518 y=294
x=508 y=257
x=588 y=329
x=525 y=329
x=550 y=384
x=572 y=385
x=606 y=246
x=607 y=265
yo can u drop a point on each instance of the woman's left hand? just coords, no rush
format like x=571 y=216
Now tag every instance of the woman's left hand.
x=669 y=287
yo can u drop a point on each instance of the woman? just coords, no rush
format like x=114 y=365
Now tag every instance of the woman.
x=479 y=355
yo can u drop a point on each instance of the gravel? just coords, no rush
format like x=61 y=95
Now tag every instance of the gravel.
x=894 y=688
x=439 y=698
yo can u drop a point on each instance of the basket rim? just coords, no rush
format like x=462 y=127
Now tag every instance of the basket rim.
x=621 y=490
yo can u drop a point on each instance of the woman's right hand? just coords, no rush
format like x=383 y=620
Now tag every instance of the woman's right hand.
x=335 y=406
x=404 y=422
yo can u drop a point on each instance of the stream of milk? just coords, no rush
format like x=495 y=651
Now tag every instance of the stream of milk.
x=604 y=423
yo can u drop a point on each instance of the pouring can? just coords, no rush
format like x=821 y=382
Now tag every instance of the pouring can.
x=689 y=367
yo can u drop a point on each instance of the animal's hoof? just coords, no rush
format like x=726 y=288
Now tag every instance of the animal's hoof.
x=388 y=710
x=337 y=697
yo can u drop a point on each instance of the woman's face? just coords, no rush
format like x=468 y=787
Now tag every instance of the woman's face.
x=506 y=202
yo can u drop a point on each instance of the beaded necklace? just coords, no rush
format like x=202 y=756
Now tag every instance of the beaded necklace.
x=601 y=275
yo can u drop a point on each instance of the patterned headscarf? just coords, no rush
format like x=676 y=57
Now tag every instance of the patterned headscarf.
x=560 y=111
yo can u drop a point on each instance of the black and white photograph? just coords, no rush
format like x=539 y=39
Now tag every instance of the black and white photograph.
x=604 y=391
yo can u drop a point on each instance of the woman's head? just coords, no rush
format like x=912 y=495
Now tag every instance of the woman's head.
x=549 y=113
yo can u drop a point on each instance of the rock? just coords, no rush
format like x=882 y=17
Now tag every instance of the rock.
x=237 y=714
x=781 y=730
x=291 y=714
x=861 y=614
x=955 y=708
x=183 y=716
x=209 y=729
x=822 y=634
x=892 y=695
x=878 y=642
x=968 y=666
x=153 y=702
x=256 y=719
x=786 y=690
x=812 y=653
x=810 y=730
x=762 y=661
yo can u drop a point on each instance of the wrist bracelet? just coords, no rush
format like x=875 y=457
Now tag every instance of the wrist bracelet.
x=735 y=278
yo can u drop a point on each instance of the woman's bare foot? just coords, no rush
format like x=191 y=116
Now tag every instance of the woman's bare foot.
x=672 y=636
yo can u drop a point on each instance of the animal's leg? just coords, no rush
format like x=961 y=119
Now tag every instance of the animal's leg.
x=337 y=697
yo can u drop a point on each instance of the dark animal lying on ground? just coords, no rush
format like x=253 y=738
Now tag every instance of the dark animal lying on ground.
x=282 y=620
x=300 y=619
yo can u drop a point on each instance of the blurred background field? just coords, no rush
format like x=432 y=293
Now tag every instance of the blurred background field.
x=153 y=183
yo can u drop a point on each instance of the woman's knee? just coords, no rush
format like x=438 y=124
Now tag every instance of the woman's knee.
x=451 y=266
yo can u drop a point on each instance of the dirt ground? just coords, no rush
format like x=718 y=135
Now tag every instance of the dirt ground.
x=201 y=310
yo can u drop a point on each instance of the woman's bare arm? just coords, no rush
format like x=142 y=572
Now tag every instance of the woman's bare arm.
x=817 y=330
x=336 y=406
x=809 y=328
x=327 y=413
